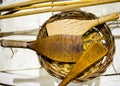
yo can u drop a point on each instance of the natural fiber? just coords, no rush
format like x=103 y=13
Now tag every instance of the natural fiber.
x=100 y=33
x=57 y=9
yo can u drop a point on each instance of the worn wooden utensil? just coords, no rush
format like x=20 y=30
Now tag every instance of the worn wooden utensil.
x=77 y=27
x=94 y=53
x=62 y=48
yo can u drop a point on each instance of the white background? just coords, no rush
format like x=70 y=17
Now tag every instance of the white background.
x=25 y=61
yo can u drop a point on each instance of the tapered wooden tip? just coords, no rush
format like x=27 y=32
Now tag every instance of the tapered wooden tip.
x=94 y=53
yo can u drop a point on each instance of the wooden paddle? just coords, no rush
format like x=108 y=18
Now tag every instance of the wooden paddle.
x=62 y=48
x=77 y=27
x=94 y=53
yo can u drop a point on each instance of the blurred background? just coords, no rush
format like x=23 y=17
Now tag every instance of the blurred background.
x=21 y=66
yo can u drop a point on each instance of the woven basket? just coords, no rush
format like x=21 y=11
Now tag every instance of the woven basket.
x=99 y=33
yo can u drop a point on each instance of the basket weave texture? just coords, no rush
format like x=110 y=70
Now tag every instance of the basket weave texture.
x=101 y=33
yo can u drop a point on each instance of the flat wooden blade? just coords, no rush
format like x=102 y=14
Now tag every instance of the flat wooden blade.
x=62 y=48
x=77 y=27
x=69 y=26
x=94 y=53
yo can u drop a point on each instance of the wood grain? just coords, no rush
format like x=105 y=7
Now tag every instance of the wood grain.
x=62 y=48
x=57 y=9
x=77 y=27
x=21 y=4
x=94 y=53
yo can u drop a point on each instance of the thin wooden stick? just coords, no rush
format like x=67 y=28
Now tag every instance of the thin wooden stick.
x=68 y=7
x=61 y=3
x=22 y=4
x=24 y=32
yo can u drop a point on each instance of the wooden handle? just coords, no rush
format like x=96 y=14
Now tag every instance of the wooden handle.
x=94 y=53
x=107 y=18
x=15 y=44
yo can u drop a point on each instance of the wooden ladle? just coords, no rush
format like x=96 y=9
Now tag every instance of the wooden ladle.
x=76 y=26
x=94 y=53
x=62 y=48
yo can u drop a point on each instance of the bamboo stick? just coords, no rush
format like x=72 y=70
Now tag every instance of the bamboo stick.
x=22 y=4
x=69 y=7
x=61 y=3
